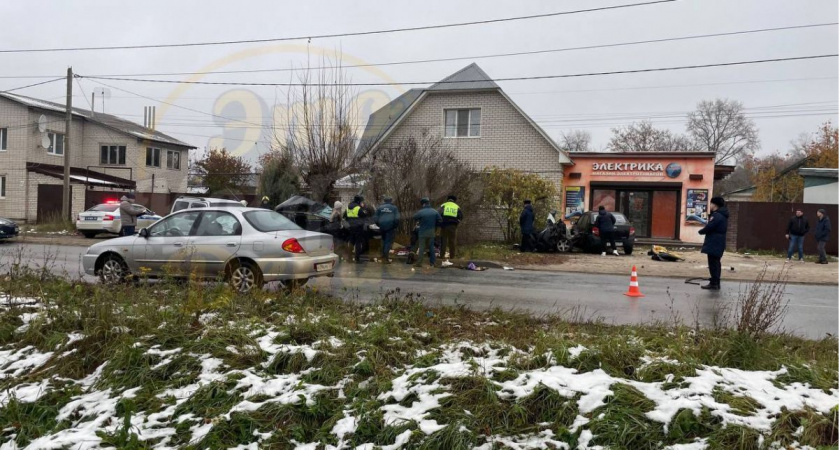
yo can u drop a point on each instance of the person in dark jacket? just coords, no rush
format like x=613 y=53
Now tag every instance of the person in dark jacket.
x=128 y=214
x=300 y=216
x=526 y=225
x=452 y=216
x=428 y=220
x=797 y=229
x=387 y=218
x=265 y=203
x=822 y=233
x=715 y=242
x=606 y=228
x=355 y=215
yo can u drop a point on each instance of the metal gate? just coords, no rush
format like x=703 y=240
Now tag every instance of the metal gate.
x=49 y=202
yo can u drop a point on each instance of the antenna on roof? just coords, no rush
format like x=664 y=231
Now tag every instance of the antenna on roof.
x=103 y=93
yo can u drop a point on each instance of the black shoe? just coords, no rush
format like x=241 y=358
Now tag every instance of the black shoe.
x=710 y=286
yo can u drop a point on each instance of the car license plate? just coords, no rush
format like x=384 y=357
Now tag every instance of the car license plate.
x=91 y=218
x=323 y=267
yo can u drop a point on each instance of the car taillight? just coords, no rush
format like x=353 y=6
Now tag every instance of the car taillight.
x=108 y=217
x=596 y=231
x=293 y=246
x=632 y=231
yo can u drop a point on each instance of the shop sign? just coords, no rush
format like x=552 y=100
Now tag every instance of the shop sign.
x=697 y=206
x=627 y=169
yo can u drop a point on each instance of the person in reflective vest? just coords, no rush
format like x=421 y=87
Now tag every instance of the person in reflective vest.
x=355 y=215
x=452 y=216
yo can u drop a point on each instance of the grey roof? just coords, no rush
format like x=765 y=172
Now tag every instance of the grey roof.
x=468 y=78
x=107 y=120
x=818 y=172
x=382 y=119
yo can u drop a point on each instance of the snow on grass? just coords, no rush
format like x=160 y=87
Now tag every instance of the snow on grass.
x=574 y=352
x=698 y=444
x=14 y=363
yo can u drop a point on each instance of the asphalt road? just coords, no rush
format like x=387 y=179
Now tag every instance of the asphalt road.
x=812 y=312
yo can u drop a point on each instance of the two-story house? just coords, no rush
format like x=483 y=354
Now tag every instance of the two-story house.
x=106 y=153
x=482 y=124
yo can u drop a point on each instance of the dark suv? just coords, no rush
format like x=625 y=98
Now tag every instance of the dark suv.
x=585 y=234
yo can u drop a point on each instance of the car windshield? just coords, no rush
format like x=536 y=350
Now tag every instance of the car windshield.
x=268 y=221
x=105 y=207
x=619 y=218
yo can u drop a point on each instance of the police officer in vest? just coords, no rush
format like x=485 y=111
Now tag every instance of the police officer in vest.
x=452 y=216
x=355 y=215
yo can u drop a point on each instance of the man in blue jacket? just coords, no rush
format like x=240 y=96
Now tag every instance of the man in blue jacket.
x=715 y=242
x=822 y=233
x=606 y=228
x=526 y=225
x=429 y=220
x=387 y=218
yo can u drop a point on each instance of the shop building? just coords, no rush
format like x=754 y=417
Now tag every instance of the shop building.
x=665 y=195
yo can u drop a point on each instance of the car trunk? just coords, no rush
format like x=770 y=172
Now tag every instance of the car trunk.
x=315 y=244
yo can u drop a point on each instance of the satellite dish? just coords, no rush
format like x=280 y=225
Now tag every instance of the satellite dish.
x=45 y=141
x=42 y=123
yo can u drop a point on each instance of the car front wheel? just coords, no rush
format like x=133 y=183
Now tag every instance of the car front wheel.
x=563 y=246
x=245 y=277
x=114 y=270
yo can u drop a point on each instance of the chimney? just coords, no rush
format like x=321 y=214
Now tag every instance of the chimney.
x=145 y=117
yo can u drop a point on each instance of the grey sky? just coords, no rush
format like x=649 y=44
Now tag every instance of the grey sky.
x=594 y=103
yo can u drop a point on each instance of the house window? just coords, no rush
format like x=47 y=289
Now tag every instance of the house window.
x=56 y=144
x=112 y=154
x=173 y=159
x=3 y=133
x=462 y=122
x=152 y=157
x=2 y=186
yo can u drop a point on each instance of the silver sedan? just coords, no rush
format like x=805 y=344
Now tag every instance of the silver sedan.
x=244 y=246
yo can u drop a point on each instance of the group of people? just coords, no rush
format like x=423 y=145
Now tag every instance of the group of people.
x=798 y=227
x=386 y=217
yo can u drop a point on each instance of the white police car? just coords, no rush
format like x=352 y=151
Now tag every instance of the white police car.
x=105 y=218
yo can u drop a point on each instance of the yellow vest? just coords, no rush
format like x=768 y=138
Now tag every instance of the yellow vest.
x=450 y=209
x=353 y=213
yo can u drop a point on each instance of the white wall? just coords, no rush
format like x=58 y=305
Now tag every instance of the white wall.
x=825 y=193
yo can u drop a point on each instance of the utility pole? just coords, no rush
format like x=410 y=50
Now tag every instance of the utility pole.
x=68 y=119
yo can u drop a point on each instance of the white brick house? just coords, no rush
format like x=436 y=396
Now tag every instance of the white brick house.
x=106 y=152
x=483 y=125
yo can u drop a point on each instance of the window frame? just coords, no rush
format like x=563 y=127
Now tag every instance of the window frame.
x=3 y=183
x=173 y=160
x=469 y=124
x=4 y=139
x=119 y=147
x=163 y=222
x=51 y=149
x=153 y=151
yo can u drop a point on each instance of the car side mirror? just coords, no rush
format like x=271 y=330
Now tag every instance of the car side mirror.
x=144 y=233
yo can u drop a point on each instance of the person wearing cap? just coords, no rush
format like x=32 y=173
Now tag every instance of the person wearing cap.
x=128 y=214
x=526 y=226
x=822 y=232
x=605 y=222
x=715 y=241
x=265 y=203
x=428 y=220
x=387 y=218
x=355 y=215
x=797 y=228
x=452 y=216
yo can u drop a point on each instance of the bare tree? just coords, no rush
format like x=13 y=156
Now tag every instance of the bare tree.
x=721 y=126
x=319 y=130
x=643 y=137
x=576 y=141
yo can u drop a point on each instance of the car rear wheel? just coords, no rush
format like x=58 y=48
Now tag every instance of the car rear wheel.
x=245 y=277
x=563 y=246
x=89 y=234
x=114 y=270
x=628 y=249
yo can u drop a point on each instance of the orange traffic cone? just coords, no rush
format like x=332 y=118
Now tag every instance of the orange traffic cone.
x=634 y=285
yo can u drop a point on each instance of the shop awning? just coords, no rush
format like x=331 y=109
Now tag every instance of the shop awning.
x=722 y=172
x=82 y=176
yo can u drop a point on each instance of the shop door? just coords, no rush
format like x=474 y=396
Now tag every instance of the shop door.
x=636 y=205
x=664 y=223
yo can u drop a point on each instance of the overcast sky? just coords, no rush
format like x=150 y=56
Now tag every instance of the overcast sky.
x=785 y=98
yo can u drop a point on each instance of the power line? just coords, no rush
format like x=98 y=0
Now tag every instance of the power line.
x=334 y=35
x=537 y=77
x=461 y=58
x=32 y=85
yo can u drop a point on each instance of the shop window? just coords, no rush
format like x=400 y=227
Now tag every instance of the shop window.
x=603 y=197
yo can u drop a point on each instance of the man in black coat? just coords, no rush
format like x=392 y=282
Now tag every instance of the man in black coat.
x=797 y=229
x=526 y=225
x=822 y=233
x=356 y=215
x=715 y=242
x=606 y=229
